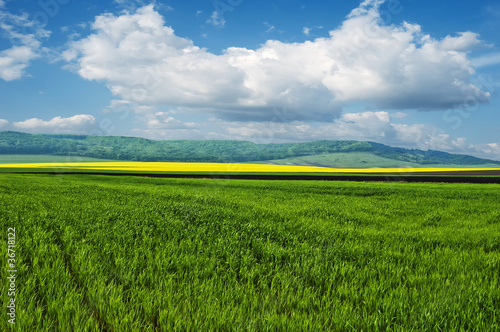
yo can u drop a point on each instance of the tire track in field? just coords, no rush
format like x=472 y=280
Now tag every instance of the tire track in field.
x=87 y=302
x=30 y=267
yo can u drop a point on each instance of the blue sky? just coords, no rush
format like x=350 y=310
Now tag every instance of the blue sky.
x=418 y=74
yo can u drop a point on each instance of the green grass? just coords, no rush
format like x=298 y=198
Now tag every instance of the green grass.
x=22 y=159
x=142 y=254
x=358 y=160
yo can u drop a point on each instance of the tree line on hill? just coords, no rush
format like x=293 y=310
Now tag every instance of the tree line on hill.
x=140 y=149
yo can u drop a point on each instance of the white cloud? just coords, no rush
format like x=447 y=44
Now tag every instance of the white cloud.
x=81 y=123
x=3 y=122
x=26 y=45
x=142 y=61
x=463 y=43
x=14 y=61
x=217 y=19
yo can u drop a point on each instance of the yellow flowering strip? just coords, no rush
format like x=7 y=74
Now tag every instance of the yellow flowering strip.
x=225 y=168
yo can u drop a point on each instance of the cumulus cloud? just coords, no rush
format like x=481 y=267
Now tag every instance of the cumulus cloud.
x=25 y=36
x=3 y=122
x=14 y=61
x=142 y=61
x=81 y=124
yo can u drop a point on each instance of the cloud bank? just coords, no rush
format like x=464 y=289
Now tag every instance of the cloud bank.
x=144 y=62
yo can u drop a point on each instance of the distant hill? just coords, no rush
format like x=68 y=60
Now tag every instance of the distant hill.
x=140 y=149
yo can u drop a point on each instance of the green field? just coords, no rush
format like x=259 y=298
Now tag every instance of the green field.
x=139 y=254
x=361 y=160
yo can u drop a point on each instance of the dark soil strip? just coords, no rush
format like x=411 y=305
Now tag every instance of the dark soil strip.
x=442 y=177
x=458 y=173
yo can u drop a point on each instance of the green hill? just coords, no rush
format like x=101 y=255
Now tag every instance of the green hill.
x=328 y=153
x=343 y=159
x=359 y=160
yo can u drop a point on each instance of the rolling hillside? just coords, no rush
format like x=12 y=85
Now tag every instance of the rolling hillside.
x=361 y=160
x=325 y=153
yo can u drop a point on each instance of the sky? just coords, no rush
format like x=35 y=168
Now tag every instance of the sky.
x=417 y=74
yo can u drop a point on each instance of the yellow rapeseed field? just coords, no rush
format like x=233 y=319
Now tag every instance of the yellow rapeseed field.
x=222 y=168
